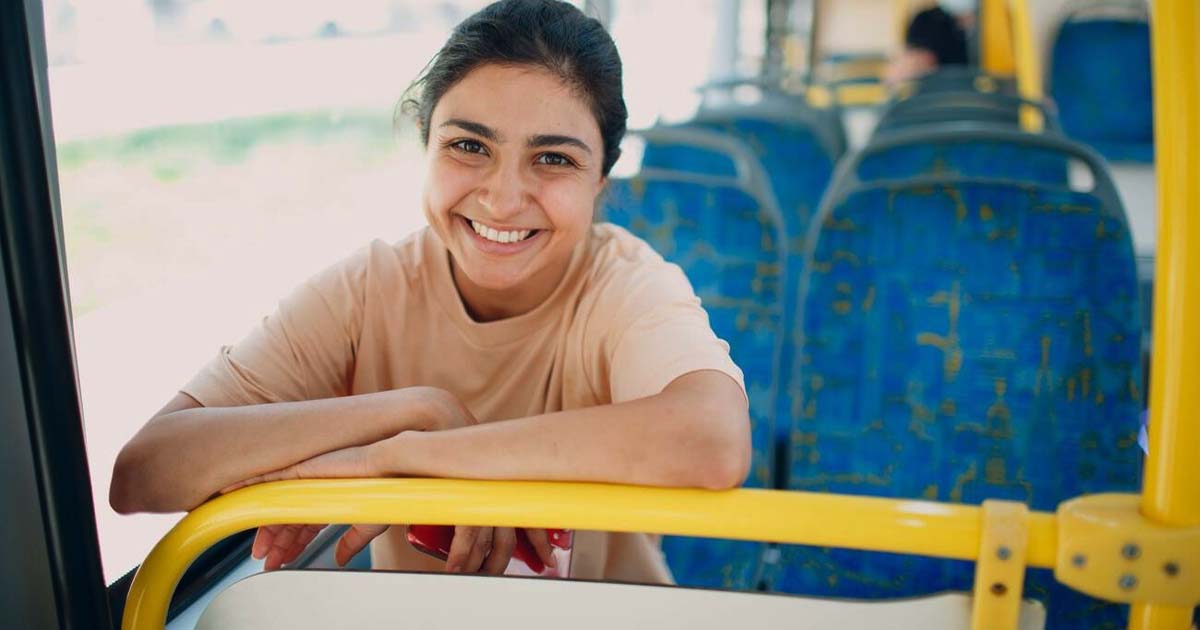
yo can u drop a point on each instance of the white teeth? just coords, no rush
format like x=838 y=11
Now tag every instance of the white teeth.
x=492 y=234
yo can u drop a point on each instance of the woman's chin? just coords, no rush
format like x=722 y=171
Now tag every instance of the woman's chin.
x=491 y=279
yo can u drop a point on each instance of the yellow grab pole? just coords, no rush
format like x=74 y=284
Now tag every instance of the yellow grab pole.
x=1172 y=488
x=1029 y=64
x=894 y=525
x=996 y=34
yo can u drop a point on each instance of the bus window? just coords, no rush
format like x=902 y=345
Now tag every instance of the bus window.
x=212 y=155
x=663 y=70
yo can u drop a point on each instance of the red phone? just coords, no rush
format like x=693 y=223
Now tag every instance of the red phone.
x=435 y=540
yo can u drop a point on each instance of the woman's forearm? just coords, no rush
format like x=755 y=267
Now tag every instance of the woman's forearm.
x=694 y=434
x=180 y=459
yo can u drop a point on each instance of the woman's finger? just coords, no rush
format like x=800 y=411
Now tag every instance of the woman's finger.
x=540 y=540
x=236 y=486
x=279 y=547
x=480 y=550
x=304 y=536
x=262 y=541
x=504 y=541
x=354 y=540
x=461 y=547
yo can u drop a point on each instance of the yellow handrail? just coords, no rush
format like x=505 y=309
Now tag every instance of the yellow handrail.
x=874 y=524
x=1172 y=489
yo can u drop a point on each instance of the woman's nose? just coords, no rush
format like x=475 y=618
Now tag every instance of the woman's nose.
x=505 y=194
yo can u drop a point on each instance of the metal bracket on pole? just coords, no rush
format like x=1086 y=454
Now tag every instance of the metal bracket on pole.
x=1108 y=550
x=1000 y=569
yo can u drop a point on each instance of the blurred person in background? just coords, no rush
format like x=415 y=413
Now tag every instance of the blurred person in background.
x=935 y=38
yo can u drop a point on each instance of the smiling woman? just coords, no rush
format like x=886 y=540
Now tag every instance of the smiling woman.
x=511 y=306
x=505 y=163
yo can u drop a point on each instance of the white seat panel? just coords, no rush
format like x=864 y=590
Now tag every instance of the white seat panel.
x=311 y=600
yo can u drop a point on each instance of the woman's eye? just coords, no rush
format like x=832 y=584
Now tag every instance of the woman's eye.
x=554 y=159
x=469 y=146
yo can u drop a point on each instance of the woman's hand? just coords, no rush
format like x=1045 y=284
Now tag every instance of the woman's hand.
x=278 y=545
x=442 y=410
x=489 y=549
x=340 y=464
x=481 y=549
x=539 y=539
x=282 y=544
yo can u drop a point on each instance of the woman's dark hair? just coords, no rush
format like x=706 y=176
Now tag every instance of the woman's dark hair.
x=939 y=33
x=549 y=34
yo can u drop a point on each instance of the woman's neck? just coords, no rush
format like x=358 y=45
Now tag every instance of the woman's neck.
x=489 y=305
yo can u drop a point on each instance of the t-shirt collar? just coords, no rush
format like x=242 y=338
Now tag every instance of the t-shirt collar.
x=502 y=331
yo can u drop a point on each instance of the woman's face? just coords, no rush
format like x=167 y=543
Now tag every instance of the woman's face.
x=514 y=171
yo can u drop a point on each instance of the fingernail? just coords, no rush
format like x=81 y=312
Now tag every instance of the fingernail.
x=453 y=568
x=552 y=563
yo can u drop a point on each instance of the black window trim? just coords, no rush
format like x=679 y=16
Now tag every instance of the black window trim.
x=209 y=568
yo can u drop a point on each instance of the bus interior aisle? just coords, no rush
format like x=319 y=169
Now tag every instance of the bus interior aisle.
x=929 y=233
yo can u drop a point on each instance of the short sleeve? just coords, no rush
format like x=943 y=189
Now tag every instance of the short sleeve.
x=660 y=332
x=303 y=351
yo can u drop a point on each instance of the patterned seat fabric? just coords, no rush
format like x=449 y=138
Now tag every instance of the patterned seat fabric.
x=976 y=158
x=732 y=250
x=1100 y=78
x=963 y=342
x=799 y=166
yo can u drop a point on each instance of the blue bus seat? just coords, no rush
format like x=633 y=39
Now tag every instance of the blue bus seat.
x=964 y=339
x=799 y=164
x=964 y=150
x=730 y=242
x=1100 y=78
x=796 y=160
x=959 y=79
x=970 y=106
x=783 y=98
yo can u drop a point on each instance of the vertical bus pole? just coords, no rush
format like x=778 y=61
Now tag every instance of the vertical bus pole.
x=996 y=35
x=1171 y=495
x=1029 y=64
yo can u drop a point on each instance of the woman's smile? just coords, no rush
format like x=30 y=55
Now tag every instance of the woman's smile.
x=500 y=241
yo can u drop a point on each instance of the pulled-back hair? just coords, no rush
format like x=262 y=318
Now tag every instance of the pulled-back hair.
x=938 y=32
x=548 y=34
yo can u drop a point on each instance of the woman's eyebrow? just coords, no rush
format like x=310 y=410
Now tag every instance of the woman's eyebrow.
x=473 y=127
x=550 y=140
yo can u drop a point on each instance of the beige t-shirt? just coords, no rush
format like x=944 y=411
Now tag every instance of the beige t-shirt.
x=621 y=325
